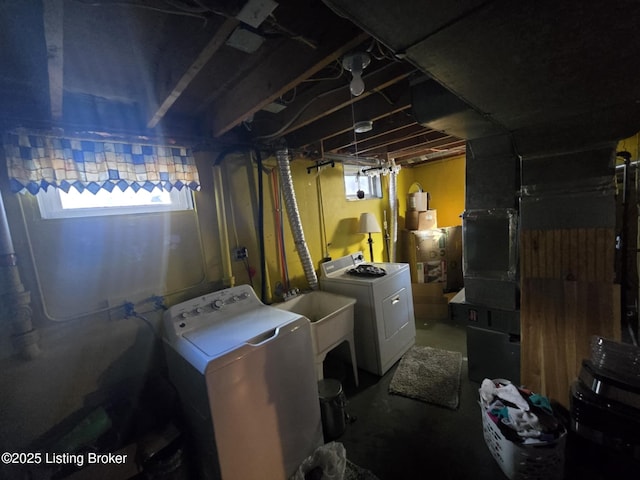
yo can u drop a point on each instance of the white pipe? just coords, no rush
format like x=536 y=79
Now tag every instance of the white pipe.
x=293 y=213
x=6 y=243
x=228 y=279
x=393 y=205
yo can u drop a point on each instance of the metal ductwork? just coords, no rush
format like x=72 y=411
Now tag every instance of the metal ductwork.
x=435 y=107
x=291 y=204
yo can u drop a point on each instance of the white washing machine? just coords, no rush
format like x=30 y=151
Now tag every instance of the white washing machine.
x=384 y=324
x=245 y=375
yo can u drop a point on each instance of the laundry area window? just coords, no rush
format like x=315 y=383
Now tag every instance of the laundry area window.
x=360 y=186
x=56 y=203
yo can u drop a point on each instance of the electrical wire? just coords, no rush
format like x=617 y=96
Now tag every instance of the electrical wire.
x=144 y=6
x=292 y=120
x=293 y=96
x=336 y=77
x=130 y=312
x=247 y=267
x=187 y=8
x=323 y=226
x=273 y=22
x=381 y=54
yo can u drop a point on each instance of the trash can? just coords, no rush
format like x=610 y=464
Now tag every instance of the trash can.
x=332 y=408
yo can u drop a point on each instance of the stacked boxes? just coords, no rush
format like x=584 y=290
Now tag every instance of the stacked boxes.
x=435 y=263
x=429 y=302
x=420 y=220
x=418 y=216
x=435 y=256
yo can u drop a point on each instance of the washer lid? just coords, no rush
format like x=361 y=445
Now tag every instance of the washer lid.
x=223 y=336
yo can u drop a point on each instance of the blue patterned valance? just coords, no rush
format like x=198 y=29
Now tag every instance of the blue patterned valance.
x=38 y=161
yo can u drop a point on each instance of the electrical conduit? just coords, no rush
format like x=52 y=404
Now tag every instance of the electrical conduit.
x=293 y=213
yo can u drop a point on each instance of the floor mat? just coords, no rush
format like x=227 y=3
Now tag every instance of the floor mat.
x=430 y=375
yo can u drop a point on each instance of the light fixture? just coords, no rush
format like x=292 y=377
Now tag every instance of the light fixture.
x=369 y=224
x=245 y=40
x=356 y=63
x=363 y=126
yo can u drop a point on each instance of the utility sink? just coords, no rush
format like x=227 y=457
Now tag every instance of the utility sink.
x=331 y=317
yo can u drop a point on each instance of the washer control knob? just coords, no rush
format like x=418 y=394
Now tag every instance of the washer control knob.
x=184 y=314
x=217 y=304
x=199 y=310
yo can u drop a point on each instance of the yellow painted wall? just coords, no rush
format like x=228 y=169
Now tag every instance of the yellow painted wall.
x=444 y=180
x=631 y=145
x=321 y=195
x=84 y=359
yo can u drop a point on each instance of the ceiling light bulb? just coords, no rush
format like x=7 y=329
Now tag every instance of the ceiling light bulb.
x=357 y=84
x=356 y=63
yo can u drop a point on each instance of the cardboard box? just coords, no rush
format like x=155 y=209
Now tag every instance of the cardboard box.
x=428 y=293
x=432 y=271
x=416 y=220
x=429 y=302
x=418 y=201
x=434 y=256
x=431 y=311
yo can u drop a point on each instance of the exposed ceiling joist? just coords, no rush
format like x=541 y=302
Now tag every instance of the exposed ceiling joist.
x=53 y=17
x=385 y=137
x=328 y=97
x=429 y=140
x=374 y=107
x=205 y=55
x=447 y=146
x=276 y=75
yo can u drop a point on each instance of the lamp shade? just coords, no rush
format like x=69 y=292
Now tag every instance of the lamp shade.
x=369 y=224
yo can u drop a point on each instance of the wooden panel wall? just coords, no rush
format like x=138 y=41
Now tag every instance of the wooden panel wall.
x=567 y=296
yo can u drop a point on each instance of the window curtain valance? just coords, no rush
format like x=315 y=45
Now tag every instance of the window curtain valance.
x=37 y=161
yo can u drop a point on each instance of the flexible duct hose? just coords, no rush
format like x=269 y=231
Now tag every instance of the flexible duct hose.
x=393 y=205
x=291 y=205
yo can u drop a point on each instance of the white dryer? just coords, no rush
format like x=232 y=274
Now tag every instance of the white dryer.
x=245 y=375
x=384 y=324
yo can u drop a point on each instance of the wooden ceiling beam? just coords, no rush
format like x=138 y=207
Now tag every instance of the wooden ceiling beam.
x=328 y=97
x=427 y=137
x=397 y=98
x=405 y=136
x=277 y=74
x=393 y=126
x=437 y=149
x=53 y=19
x=202 y=59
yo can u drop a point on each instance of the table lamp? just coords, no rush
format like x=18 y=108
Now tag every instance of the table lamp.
x=369 y=224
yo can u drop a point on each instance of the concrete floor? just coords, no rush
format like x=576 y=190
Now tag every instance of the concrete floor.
x=399 y=438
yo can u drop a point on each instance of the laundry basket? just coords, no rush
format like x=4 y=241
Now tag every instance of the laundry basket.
x=520 y=461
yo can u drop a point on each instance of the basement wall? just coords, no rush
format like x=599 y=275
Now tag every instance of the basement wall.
x=90 y=358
